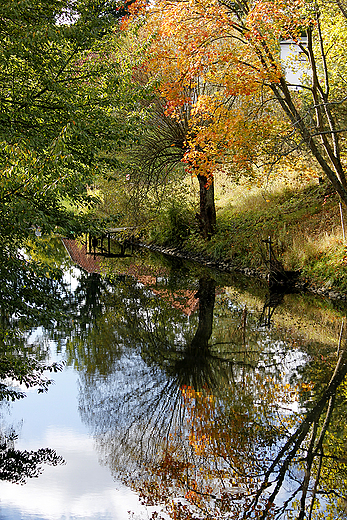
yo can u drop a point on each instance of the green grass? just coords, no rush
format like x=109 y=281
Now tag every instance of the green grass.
x=303 y=221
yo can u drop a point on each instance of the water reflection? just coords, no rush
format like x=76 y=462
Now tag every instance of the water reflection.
x=209 y=397
x=273 y=300
x=30 y=295
x=36 y=481
x=17 y=466
x=210 y=414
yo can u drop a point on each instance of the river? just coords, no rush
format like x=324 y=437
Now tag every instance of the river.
x=179 y=392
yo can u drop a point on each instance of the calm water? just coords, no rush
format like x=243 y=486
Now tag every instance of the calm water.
x=185 y=393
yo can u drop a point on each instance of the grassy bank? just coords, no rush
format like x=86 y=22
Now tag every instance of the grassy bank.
x=302 y=217
x=303 y=222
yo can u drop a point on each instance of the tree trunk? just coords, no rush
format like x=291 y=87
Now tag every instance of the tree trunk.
x=207 y=296
x=196 y=367
x=321 y=138
x=207 y=216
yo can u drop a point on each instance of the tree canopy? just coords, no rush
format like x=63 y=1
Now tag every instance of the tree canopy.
x=60 y=104
x=222 y=59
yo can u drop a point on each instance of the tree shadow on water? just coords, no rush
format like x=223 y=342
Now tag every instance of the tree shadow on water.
x=32 y=300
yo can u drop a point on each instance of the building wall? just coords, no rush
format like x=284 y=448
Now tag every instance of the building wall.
x=295 y=63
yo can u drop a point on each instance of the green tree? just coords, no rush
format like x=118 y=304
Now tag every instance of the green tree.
x=60 y=102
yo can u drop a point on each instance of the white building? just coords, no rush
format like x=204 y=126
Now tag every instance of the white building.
x=295 y=63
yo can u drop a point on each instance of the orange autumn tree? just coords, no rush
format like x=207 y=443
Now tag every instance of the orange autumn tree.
x=221 y=59
x=223 y=130
x=212 y=463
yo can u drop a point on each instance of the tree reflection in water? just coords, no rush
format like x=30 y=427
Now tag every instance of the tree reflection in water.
x=17 y=466
x=31 y=296
x=212 y=416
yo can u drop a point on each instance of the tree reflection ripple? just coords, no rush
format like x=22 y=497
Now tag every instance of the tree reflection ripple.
x=208 y=413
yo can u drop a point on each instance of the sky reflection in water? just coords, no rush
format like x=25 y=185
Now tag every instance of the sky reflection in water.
x=80 y=489
x=200 y=403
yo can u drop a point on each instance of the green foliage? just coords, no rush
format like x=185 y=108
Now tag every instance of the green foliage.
x=174 y=223
x=32 y=295
x=62 y=100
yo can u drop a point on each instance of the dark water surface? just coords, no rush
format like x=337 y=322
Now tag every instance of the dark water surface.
x=185 y=393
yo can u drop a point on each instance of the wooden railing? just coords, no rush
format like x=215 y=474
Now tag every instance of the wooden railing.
x=101 y=244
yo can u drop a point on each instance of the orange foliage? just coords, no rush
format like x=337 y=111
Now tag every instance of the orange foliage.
x=213 y=462
x=214 y=64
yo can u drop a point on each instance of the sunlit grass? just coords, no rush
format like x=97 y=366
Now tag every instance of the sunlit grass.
x=301 y=216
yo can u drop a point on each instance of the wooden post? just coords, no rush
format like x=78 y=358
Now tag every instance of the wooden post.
x=342 y=223
x=340 y=337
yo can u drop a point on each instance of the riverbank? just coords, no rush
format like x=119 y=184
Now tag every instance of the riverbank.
x=302 y=284
x=304 y=224
x=301 y=215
